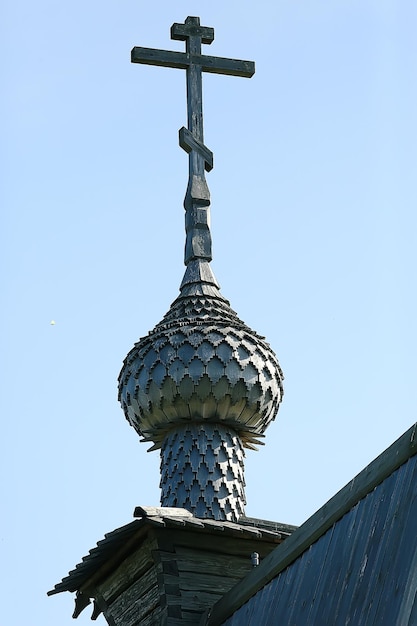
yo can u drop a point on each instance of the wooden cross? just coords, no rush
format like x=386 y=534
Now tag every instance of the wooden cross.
x=198 y=243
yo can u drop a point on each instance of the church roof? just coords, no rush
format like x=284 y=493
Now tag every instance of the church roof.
x=354 y=561
x=116 y=545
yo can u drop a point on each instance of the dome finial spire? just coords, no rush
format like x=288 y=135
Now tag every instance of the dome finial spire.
x=191 y=139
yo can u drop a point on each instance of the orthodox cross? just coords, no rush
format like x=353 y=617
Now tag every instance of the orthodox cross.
x=197 y=199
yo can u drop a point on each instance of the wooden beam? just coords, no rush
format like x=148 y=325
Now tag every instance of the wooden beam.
x=182 y=60
x=188 y=143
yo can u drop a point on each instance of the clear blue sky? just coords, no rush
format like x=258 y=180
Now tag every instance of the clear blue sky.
x=314 y=235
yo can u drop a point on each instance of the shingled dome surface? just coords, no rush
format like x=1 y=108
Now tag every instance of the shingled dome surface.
x=201 y=363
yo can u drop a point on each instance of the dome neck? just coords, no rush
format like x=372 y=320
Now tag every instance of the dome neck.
x=199 y=280
x=202 y=470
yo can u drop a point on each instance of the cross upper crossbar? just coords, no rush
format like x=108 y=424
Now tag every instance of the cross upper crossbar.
x=182 y=60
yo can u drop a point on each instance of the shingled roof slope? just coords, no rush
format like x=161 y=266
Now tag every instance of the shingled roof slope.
x=111 y=550
x=354 y=561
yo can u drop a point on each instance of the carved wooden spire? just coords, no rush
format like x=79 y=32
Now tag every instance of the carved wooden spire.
x=197 y=199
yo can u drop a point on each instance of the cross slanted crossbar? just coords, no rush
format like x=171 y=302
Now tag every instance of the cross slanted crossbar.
x=198 y=242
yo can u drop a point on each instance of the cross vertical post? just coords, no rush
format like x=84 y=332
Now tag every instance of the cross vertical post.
x=194 y=36
x=197 y=198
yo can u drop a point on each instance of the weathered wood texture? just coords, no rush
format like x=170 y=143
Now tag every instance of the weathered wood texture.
x=182 y=60
x=188 y=143
x=177 y=573
x=198 y=240
x=195 y=601
x=136 y=602
x=203 y=567
x=133 y=567
x=131 y=592
x=158 y=617
x=189 y=560
x=354 y=561
x=221 y=544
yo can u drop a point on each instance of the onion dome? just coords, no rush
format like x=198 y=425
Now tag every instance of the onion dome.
x=201 y=364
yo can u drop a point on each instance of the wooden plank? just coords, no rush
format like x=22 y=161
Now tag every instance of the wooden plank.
x=131 y=569
x=169 y=584
x=188 y=142
x=157 y=616
x=182 y=60
x=193 y=601
x=170 y=539
x=168 y=566
x=202 y=582
x=373 y=475
x=219 y=65
x=264 y=524
x=233 y=568
x=160 y=511
x=161 y=58
x=133 y=604
x=191 y=618
x=193 y=558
